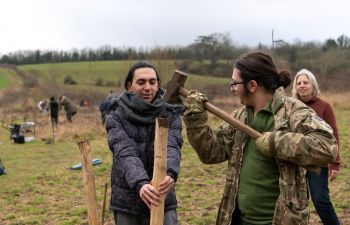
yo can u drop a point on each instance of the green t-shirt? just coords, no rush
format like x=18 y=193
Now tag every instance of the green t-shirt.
x=258 y=188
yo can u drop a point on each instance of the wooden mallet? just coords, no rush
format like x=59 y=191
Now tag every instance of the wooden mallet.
x=176 y=86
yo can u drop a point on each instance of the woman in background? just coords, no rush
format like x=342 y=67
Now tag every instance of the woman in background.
x=305 y=88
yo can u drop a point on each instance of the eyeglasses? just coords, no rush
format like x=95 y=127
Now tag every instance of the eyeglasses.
x=233 y=84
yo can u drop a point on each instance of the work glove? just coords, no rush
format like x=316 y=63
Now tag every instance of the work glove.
x=264 y=146
x=195 y=101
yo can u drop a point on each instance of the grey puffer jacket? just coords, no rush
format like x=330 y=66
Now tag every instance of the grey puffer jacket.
x=132 y=146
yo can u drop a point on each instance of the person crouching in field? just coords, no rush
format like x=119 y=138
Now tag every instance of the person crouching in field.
x=131 y=129
x=69 y=107
x=265 y=181
x=305 y=88
x=43 y=106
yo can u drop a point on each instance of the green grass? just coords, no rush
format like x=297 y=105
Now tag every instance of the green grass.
x=38 y=182
x=87 y=73
x=4 y=79
x=341 y=185
x=39 y=189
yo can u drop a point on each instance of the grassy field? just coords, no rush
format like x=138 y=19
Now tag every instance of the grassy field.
x=33 y=83
x=39 y=189
x=110 y=75
x=4 y=80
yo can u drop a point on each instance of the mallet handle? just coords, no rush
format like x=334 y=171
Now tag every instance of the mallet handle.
x=226 y=117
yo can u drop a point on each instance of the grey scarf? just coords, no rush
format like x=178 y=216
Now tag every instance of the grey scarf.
x=137 y=110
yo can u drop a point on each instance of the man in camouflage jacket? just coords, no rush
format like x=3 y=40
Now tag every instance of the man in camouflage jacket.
x=298 y=140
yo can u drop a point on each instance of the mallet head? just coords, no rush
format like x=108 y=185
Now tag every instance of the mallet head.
x=172 y=88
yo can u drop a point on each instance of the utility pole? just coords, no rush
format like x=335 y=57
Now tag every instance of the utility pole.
x=279 y=42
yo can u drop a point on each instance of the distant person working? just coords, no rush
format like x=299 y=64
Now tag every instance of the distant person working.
x=68 y=106
x=54 y=108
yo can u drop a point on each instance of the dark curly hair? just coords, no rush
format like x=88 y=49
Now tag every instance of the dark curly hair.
x=138 y=65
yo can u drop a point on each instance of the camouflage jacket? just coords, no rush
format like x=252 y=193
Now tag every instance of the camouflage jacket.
x=300 y=140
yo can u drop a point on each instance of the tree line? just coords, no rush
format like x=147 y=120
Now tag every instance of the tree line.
x=208 y=54
x=215 y=46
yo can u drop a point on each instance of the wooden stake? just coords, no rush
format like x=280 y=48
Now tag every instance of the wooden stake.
x=52 y=131
x=89 y=182
x=104 y=203
x=160 y=167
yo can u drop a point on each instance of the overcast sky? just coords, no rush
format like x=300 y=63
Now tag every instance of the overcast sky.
x=67 y=24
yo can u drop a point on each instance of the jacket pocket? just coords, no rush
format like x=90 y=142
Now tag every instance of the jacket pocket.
x=297 y=212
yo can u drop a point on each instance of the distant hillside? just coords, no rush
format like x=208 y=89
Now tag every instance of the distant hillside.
x=93 y=80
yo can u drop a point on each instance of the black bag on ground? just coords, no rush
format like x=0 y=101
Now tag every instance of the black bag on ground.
x=19 y=139
x=15 y=134
x=2 y=168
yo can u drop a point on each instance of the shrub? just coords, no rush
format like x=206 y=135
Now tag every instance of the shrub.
x=110 y=84
x=69 y=80
x=182 y=64
x=194 y=67
x=30 y=82
x=106 y=83
x=222 y=70
x=100 y=82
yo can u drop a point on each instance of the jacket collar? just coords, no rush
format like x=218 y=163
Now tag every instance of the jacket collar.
x=277 y=99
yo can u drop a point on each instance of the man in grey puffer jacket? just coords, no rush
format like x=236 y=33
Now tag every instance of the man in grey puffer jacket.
x=131 y=130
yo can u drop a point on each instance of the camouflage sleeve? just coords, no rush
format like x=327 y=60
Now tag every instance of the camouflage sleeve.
x=312 y=143
x=212 y=146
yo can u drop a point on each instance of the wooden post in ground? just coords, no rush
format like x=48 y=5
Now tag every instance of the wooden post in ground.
x=52 y=130
x=160 y=167
x=89 y=182
x=104 y=203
